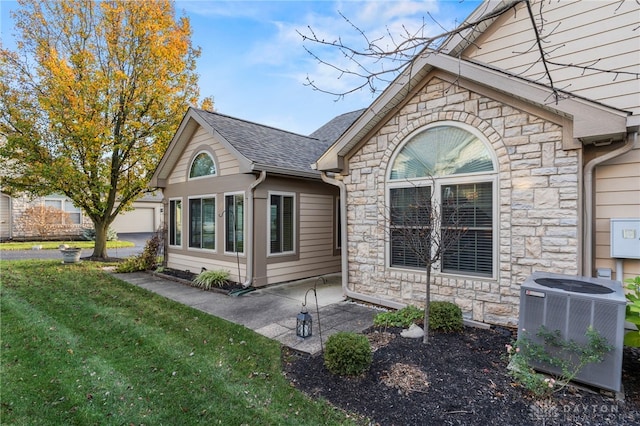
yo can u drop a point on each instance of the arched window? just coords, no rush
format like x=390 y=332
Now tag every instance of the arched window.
x=450 y=169
x=202 y=165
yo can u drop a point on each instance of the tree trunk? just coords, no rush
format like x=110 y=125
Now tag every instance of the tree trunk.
x=427 y=302
x=100 y=249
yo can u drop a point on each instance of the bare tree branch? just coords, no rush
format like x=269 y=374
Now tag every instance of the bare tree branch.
x=374 y=65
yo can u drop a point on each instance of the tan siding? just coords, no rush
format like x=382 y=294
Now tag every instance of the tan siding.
x=194 y=264
x=226 y=162
x=596 y=33
x=617 y=196
x=316 y=251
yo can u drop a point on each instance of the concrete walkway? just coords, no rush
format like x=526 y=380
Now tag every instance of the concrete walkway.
x=271 y=311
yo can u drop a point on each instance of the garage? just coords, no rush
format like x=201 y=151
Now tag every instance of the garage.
x=139 y=220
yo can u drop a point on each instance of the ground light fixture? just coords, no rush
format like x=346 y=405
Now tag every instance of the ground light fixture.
x=304 y=321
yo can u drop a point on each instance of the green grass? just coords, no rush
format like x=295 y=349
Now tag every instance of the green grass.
x=50 y=245
x=81 y=347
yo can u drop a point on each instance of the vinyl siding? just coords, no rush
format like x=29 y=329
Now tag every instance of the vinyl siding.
x=195 y=264
x=617 y=196
x=602 y=34
x=316 y=251
x=225 y=162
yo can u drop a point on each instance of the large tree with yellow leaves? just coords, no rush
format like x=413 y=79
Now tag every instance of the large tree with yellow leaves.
x=91 y=98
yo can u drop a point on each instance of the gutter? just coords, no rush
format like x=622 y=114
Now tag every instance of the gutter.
x=344 y=252
x=588 y=198
x=250 y=234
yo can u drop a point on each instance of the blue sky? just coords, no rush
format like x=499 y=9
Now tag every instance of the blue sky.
x=253 y=62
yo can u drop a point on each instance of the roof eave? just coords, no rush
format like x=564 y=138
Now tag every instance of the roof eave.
x=311 y=174
x=590 y=120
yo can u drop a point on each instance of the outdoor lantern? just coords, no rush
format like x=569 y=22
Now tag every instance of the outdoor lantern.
x=303 y=323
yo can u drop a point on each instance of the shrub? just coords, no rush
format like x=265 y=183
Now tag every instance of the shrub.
x=632 y=338
x=347 y=354
x=445 y=316
x=145 y=261
x=568 y=356
x=208 y=279
x=89 y=234
x=401 y=318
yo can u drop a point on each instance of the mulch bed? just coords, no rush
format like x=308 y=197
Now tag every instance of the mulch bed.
x=466 y=384
x=186 y=277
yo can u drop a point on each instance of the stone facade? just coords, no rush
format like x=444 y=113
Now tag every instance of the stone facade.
x=20 y=232
x=537 y=204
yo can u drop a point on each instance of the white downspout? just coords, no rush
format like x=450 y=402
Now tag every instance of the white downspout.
x=250 y=250
x=344 y=252
x=588 y=199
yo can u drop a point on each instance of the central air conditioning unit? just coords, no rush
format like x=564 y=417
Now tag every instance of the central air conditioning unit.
x=571 y=304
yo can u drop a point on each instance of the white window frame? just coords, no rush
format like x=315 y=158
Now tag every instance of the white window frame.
x=215 y=224
x=244 y=223
x=213 y=159
x=64 y=202
x=172 y=225
x=294 y=223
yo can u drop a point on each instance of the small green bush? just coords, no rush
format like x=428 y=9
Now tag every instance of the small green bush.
x=445 y=316
x=401 y=318
x=208 y=279
x=89 y=234
x=347 y=354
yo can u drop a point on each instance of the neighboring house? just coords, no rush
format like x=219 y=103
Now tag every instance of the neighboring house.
x=146 y=216
x=242 y=197
x=13 y=225
x=476 y=127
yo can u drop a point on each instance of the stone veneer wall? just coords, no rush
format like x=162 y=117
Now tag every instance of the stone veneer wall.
x=537 y=196
x=23 y=202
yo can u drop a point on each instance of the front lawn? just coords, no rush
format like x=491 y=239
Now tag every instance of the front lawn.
x=50 y=245
x=80 y=346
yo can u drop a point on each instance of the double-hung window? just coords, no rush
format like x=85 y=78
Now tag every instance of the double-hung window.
x=234 y=223
x=175 y=222
x=69 y=213
x=281 y=223
x=441 y=195
x=202 y=226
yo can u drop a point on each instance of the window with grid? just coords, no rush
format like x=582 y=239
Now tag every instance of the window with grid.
x=69 y=214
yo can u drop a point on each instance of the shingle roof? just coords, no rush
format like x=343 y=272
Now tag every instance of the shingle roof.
x=270 y=147
x=331 y=131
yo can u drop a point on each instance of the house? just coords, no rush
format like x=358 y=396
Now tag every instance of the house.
x=145 y=216
x=15 y=225
x=542 y=168
x=242 y=197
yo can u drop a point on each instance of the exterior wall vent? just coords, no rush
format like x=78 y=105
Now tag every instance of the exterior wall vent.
x=571 y=304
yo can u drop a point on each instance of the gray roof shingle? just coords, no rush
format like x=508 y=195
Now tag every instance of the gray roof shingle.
x=270 y=147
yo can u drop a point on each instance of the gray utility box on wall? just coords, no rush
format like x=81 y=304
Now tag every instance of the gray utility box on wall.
x=625 y=238
x=571 y=304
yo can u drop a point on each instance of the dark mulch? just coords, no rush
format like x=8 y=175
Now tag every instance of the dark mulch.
x=467 y=381
x=188 y=276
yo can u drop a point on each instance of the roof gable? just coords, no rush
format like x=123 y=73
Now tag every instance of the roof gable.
x=256 y=147
x=588 y=119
